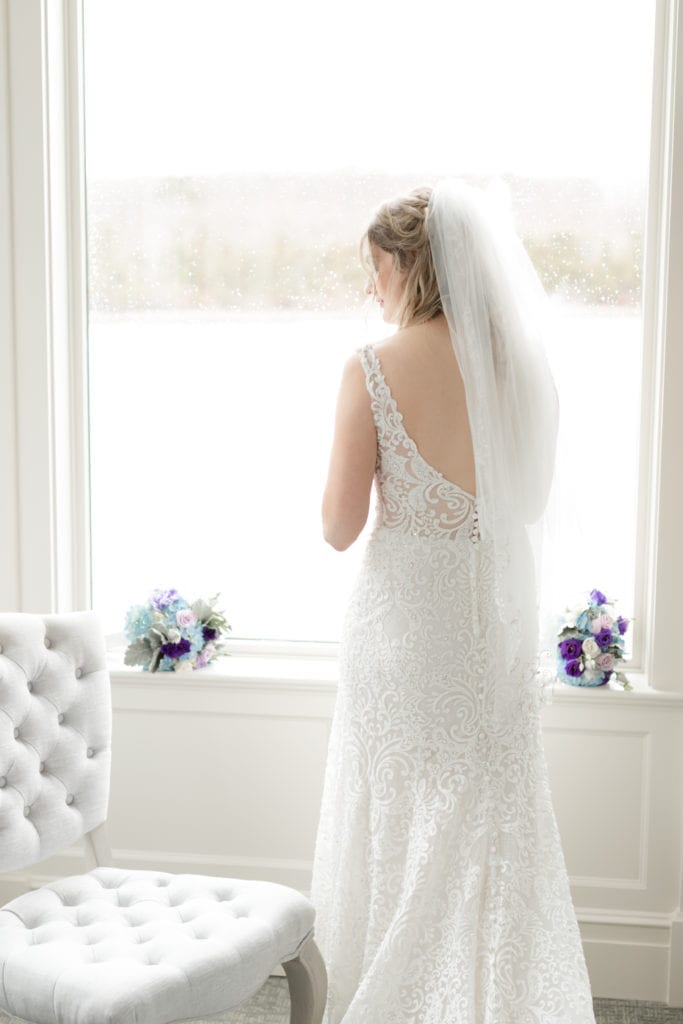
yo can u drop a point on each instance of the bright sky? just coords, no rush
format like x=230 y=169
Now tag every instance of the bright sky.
x=533 y=87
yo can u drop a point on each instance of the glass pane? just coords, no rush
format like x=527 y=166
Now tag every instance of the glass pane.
x=234 y=155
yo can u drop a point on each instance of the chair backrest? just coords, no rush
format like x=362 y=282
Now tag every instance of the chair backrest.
x=55 y=733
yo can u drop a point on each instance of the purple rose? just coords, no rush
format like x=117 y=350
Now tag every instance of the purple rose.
x=573 y=668
x=176 y=650
x=209 y=633
x=597 y=597
x=570 y=648
x=622 y=624
x=205 y=656
x=162 y=598
x=603 y=638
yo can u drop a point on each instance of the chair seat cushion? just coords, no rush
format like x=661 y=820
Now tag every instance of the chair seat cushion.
x=119 y=946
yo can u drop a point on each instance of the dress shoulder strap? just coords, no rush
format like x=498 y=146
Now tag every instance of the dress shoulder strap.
x=375 y=383
x=384 y=411
x=370 y=364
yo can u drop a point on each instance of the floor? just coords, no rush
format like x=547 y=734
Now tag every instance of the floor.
x=271 y=1006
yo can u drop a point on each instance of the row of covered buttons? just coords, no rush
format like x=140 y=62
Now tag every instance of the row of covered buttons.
x=41 y=768
x=27 y=809
x=60 y=718
x=48 y=643
x=78 y=674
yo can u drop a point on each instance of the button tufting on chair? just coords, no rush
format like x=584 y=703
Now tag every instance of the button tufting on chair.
x=87 y=979
x=29 y=686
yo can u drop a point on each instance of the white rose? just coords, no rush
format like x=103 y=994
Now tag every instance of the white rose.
x=184 y=666
x=590 y=648
x=174 y=635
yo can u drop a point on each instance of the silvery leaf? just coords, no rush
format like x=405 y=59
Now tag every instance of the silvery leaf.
x=138 y=652
x=201 y=609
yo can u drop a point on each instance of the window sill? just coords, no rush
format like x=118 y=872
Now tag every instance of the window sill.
x=262 y=672
x=321 y=674
x=641 y=694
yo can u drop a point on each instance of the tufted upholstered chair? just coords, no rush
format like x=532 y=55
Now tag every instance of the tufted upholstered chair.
x=115 y=945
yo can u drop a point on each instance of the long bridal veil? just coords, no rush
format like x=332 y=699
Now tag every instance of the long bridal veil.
x=501 y=323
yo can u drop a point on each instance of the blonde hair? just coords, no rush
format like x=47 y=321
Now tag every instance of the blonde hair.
x=399 y=226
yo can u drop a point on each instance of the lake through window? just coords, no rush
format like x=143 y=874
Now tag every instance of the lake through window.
x=234 y=155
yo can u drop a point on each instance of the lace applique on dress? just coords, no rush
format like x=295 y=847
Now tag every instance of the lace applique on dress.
x=413 y=496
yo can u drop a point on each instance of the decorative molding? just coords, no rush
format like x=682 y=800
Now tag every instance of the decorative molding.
x=674 y=995
x=295 y=873
x=613 y=881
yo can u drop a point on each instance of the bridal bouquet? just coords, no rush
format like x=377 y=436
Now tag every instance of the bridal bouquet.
x=591 y=645
x=168 y=634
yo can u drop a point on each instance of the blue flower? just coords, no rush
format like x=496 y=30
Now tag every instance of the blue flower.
x=195 y=636
x=138 y=621
x=583 y=622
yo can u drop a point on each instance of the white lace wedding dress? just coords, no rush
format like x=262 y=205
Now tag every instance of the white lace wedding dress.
x=439 y=881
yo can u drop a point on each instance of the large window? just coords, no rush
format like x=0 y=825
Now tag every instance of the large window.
x=234 y=155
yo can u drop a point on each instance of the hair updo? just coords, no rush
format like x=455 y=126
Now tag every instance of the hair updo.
x=399 y=226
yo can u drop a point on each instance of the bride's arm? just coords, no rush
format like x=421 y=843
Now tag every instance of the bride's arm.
x=346 y=500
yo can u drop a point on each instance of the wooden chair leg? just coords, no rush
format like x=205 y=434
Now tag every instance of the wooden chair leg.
x=307 y=981
x=97 y=847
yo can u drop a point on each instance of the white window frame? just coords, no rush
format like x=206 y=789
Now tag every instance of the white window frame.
x=44 y=530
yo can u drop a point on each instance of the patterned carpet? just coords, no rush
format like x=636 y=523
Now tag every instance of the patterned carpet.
x=271 y=1006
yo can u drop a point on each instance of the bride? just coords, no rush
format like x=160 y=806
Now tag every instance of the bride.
x=439 y=882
